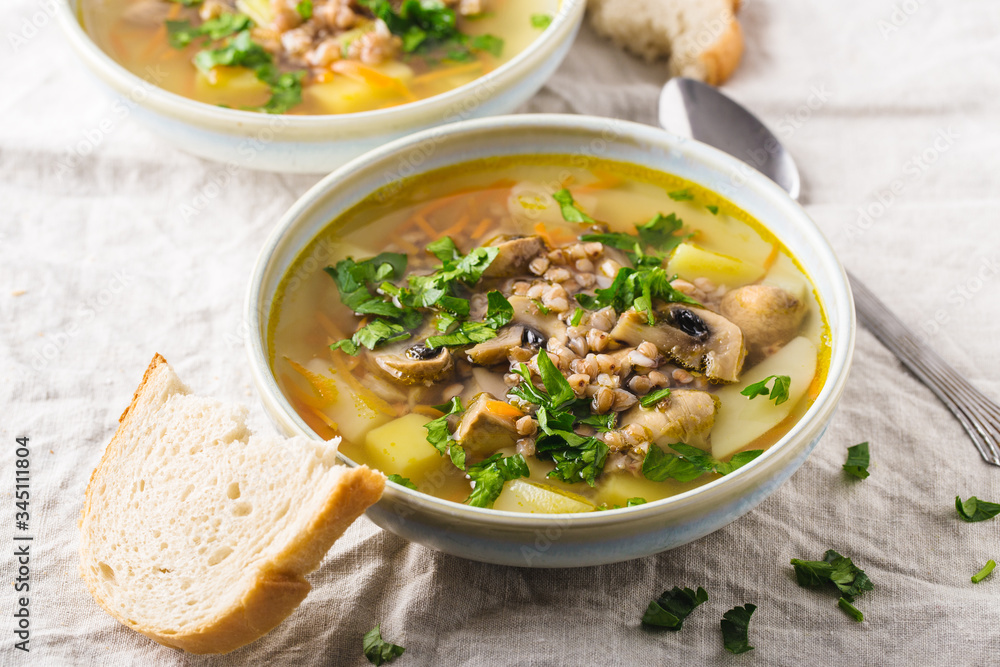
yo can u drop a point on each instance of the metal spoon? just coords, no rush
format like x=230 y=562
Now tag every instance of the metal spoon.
x=693 y=109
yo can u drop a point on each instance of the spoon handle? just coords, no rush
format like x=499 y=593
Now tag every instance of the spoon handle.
x=978 y=414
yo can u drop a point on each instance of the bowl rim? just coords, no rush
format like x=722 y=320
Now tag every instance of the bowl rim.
x=566 y=20
x=810 y=426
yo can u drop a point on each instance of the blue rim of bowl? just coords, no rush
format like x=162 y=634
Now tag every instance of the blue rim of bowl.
x=564 y=25
x=810 y=425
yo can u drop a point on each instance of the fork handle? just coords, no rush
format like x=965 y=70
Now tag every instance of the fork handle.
x=975 y=411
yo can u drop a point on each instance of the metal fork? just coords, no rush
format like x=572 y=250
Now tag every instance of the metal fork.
x=978 y=414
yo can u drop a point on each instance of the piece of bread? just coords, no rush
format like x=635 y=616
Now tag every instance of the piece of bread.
x=702 y=38
x=198 y=534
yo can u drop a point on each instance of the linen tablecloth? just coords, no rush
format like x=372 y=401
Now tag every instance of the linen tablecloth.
x=892 y=110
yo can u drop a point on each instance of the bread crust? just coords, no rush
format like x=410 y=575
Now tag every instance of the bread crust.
x=275 y=587
x=723 y=56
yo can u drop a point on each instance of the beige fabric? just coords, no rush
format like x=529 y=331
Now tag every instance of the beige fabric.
x=112 y=272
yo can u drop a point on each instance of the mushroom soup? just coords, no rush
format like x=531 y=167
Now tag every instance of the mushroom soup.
x=548 y=334
x=313 y=56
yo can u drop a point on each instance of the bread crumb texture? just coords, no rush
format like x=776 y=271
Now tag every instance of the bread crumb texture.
x=196 y=532
x=701 y=38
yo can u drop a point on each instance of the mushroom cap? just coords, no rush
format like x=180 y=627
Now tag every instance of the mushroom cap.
x=768 y=316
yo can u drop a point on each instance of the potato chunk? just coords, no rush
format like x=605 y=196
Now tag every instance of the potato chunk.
x=400 y=447
x=690 y=262
x=530 y=497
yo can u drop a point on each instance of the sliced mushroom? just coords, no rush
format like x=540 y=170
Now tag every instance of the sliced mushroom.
x=495 y=350
x=514 y=255
x=488 y=425
x=686 y=415
x=526 y=313
x=695 y=338
x=768 y=316
x=411 y=364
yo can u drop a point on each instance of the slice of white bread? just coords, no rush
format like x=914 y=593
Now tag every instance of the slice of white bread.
x=198 y=534
x=702 y=38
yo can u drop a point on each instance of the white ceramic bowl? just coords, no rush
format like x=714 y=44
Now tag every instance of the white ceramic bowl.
x=576 y=539
x=318 y=144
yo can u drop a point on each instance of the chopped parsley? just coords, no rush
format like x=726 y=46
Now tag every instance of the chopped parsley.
x=857 y=461
x=658 y=233
x=850 y=609
x=681 y=195
x=735 y=626
x=778 y=391
x=489 y=476
x=570 y=211
x=690 y=463
x=305 y=9
x=836 y=571
x=974 y=510
x=542 y=308
x=670 y=609
x=541 y=21
x=440 y=436
x=654 y=397
x=424 y=27
x=635 y=288
x=578 y=458
x=985 y=572
x=241 y=51
x=377 y=650
x=577 y=317
x=368 y=288
x=631 y=502
x=182 y=33
x=402 y=481
x=714 y=210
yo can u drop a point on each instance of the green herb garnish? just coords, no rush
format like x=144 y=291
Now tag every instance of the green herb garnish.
x=714 y=210
x=182 y=33
x=689 y=463
x=850 y=609
x=430 y=26
x=670 y=609
x=636 y=288
x=681 y=195
x=837 y=571
x=735 y=628
x=985 y=572
x=577 y=317
x=570 y=211
x=305 y=9
x=541 y=21
x=778 y=392
x=440 y=436
x=489 y=476
x=658 y=233
x=377 y=650
x=974 y=509
x=857 y=461
x=654 y=397
x=402 y=481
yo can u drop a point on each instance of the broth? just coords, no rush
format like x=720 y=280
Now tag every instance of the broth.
x=718 y=252
x=134 y=33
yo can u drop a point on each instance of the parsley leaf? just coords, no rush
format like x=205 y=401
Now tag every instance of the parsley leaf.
x=654 y=397
x=661 y=232
x=286 y=88
x=305 y=9
x=428 y=26
x=499 y=312
x=857 y=461
x=974 y=509
x=634 y=502
x=670 y=609
x=839 y=571
x=570 y=211
x=985 y=572
x=735 y=628
x=602 y=423
x=239 y=51
x=541 y=21
x=681 y=195
x=635 y=288
x=468 y=333
x=714 y=210
x=439 y=435
x=489 y=476
x=577 y=317
x=490 y=44
x=377 y=650
x=658 y=466
x=402 y=481
x=778 y=392
x=555 y=382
